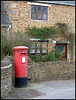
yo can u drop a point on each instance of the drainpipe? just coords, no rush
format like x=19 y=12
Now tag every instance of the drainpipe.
x=8 y=31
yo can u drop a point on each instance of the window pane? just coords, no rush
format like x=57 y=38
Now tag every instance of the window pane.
x=33 y=44
x=38 y=50
x=44 y=9
x=44 y=16
x=38 y=44
x=33 y=15
x=61 y=49
x=33 y=8
x=39 y=12
x=44 y=13
x=32 y=51
x=44 y=50
x=44 y=44
x=33 y=12
x=38 y=47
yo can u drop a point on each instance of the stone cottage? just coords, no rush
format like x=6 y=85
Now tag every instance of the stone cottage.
x=41 y=14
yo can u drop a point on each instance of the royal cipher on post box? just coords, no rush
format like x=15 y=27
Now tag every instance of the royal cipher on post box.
x=20 y=66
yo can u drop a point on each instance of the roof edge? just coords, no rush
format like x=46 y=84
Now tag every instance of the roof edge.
x=55 y=3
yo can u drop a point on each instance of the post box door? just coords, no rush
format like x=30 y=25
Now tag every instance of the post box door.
x=24 y=65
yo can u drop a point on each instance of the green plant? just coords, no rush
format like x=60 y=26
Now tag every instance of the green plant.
x=15 y=39
x=49 y=57
x=72 y=43
x=66 y=31
x=62 y=28
x=52 y=56
x=4 y=97
x=63 y=59
x=57 y=55
x=36 y=58
x=42 y=33
x=33 y=80
x=20 y=39
x=5 y=46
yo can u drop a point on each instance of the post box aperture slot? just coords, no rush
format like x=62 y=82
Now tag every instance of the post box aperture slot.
x=23 y=53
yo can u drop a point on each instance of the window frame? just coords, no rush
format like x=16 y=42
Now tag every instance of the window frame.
x=37 y=12
x=39 y=47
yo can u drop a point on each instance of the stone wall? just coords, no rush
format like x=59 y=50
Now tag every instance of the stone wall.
x=59 y=70
x=6 y=78
x=21 y=16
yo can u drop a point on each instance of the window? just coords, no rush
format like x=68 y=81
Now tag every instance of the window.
x=39 y=47
x=39 y=12
x=44 y=47
x=60 y=48
x=33 y=48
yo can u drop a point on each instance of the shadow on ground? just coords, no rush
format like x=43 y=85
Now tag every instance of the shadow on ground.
x=22 y=93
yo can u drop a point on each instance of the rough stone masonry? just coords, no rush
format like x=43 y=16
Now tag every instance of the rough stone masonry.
x=6 y=77
x=20 y=15
x=58 y=70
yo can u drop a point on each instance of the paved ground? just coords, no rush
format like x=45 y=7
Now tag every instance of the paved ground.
x=63 y=89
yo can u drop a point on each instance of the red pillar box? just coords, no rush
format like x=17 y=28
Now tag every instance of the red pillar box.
x=20 y=66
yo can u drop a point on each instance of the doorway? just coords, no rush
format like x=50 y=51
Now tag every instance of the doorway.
x=62 y=49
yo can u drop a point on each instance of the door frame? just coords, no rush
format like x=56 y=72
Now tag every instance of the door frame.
x=61 y=44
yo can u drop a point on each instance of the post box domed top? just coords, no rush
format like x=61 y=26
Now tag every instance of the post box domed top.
x=20 y=48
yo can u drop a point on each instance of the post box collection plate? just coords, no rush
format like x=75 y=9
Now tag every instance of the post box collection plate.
x=23 y=59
